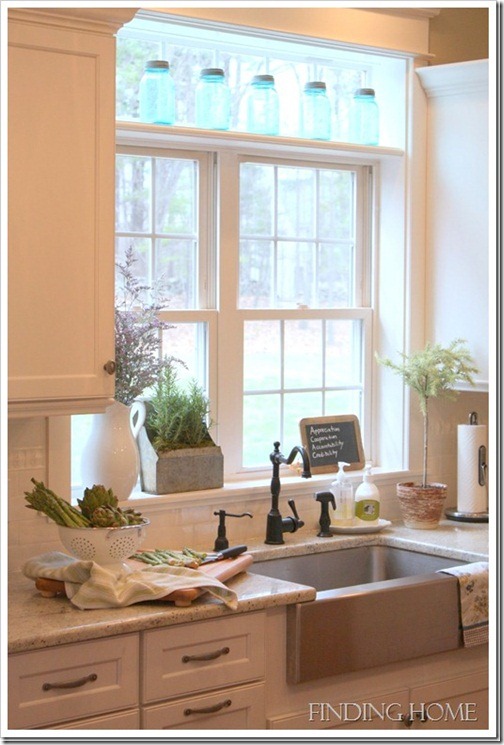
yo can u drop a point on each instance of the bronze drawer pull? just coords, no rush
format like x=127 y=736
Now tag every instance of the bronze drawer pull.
x=205 y=657
x=208 y=709
x=71 y=684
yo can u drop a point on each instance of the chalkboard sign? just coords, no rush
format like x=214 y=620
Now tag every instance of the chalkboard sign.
x=332 y=439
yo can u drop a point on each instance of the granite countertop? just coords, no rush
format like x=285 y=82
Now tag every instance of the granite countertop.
x=36 y=622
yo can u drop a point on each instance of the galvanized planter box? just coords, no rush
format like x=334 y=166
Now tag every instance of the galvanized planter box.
x=187 y=469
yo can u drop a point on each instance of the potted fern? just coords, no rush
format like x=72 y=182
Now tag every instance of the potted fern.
x=177 y=453
x=432 y=372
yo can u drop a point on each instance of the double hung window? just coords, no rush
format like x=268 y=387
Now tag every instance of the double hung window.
x=264 y=263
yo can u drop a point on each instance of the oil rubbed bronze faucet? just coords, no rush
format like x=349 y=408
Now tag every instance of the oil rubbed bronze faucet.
x=276 y=526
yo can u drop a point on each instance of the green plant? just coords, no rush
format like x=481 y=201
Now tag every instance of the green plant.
x=432 y=373
x=177 y=416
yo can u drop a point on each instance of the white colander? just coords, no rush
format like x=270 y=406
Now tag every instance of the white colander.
x=105 y=546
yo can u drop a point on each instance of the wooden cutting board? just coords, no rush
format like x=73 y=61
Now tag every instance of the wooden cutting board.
x=222 y=570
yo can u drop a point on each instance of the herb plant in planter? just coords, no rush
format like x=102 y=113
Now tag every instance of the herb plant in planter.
x=177 y=453
x=432 y=373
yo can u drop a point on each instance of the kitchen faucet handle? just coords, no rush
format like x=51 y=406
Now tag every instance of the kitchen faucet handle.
x=292 y=505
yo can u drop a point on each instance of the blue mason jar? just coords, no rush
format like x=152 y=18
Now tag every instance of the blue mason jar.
x=157 y=93
x=315 y=112
x=263 y=106
x=364 y=124
x=213 y=100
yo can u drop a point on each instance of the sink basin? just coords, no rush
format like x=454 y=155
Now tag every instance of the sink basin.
x=352 y=566
x=375 y=605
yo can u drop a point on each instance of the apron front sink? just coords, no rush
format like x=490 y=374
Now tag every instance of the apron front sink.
x=375 y=605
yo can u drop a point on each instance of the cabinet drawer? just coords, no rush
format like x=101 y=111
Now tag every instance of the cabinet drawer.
x=202 y=656
x=120 y=720
x=73 y=681
x=231 y=708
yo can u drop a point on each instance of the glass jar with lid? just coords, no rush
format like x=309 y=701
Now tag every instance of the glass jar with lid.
x=157 y=93
x=315 y=112
x=213 y=100
x=364 y=125
x=263 y=106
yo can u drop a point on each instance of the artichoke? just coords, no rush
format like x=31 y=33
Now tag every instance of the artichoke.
x=107 y=517
x=96 y=497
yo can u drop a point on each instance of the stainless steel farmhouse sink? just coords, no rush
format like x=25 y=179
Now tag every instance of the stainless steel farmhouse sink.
x=374 y=605
x=351 y=566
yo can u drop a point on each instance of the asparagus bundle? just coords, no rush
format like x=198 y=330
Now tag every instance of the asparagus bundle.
x=44 y=500
x=98 y=509
x=162 y=556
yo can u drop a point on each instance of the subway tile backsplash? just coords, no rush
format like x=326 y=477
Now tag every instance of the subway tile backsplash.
x=195 y=525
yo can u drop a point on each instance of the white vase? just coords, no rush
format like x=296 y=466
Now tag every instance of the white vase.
x=110 y=456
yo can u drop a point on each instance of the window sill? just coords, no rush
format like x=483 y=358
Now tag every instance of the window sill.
x=135 y=133
x=259 y=489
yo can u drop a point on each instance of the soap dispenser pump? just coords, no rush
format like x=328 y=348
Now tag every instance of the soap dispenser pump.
x=343 y=492
x=325 y=498
x=367 y=500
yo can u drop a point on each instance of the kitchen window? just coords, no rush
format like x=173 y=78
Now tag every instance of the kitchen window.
x=269 y=254
x=267 y=296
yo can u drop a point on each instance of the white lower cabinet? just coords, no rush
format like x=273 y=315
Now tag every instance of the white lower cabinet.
x=73 y=681
x=208 y=676
x=460 y=701
x=229 y=708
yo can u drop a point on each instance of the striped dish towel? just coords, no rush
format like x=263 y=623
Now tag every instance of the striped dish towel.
x=473 y=594
x=90 y=586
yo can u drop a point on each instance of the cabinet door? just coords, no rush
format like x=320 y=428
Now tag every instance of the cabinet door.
x=229 y=709
x=385 y=711
x=61 y=217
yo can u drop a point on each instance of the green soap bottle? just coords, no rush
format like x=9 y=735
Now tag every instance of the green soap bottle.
x=367 y=501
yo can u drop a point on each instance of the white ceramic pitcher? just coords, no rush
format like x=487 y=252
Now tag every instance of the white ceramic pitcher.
x=110 y=456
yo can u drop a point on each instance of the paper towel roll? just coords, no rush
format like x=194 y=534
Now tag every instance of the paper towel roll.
x=472 y=496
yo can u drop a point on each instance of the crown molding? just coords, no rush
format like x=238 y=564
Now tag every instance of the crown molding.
x=99 y=20
x=455 y=78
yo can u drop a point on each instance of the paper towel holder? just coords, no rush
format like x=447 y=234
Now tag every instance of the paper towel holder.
x=473 y=517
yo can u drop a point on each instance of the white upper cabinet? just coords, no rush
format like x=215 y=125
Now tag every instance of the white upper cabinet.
x=61 y=149
x=458 y=236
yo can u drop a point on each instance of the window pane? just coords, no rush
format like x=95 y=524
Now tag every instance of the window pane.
x=309 y=257
x=296 y=274
x=140 y=267
x=176 y=262
x=133 y=193
x=343 y=355
x=344 y=402
x=176 y=192
x=188 y=342
x=303 y=354
x=256 y=273
x=256 y=199
x=335 y=286
x=296 y=202
x=261 y=416
x=297 y=406
x=262 y=355
x=335 y=206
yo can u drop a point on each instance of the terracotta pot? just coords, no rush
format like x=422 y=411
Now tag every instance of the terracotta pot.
x=422 y=507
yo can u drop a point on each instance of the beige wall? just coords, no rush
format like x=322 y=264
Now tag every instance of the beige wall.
x=458 y=34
